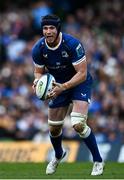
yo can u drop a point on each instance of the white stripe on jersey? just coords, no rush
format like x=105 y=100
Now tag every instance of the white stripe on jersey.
x=39 y=66
x=80 y=60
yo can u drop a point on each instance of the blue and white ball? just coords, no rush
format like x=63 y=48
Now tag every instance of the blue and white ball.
x=44 y=85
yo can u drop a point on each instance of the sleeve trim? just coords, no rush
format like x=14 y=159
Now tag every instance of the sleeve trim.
x=37 y=65
x=80 y=60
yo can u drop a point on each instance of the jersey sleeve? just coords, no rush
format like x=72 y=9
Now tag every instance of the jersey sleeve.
x=37 y=56
x=77 y=53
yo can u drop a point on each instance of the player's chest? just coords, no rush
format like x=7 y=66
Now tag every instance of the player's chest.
x=56 y=57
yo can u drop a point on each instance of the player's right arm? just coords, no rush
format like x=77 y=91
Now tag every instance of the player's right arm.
x=38 y=72
x=39 y=67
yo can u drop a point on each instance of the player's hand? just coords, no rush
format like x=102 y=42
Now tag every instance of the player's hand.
x=34 y=84
x=56 y=90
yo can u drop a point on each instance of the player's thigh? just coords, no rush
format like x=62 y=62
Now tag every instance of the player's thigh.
x=57 y=114
x=80 y=107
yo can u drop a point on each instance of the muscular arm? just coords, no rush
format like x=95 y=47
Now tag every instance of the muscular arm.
x=38 y=71
x=79 y=77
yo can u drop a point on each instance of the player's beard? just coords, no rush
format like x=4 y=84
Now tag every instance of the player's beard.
x=52 y=41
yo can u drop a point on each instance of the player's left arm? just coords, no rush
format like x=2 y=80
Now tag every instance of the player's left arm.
x=80 y=64
x=79 y=77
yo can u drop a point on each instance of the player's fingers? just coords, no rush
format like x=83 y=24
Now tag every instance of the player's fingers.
x=56 y=84
x=50 y=95
x=34 y=84
x=33 y=87
x=53 y=84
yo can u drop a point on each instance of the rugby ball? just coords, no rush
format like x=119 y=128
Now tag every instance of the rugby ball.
x=44 y=85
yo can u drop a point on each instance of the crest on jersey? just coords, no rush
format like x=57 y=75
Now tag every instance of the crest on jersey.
x=65 y=54
x=79 y=50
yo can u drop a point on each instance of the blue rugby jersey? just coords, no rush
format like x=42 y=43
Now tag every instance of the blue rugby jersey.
x=59 y=60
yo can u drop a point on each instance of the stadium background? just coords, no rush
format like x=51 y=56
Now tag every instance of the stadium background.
x=23 y=118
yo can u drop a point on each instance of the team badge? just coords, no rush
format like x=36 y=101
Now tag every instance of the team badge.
x=65 y=54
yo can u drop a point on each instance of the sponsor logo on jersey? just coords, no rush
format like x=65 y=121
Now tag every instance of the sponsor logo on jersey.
x=45 y=55
x=79 y=50
x=83 y=95
x=58 y=63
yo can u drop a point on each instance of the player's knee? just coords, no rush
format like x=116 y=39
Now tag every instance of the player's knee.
x=78 y=127
x=79 y=124
x=55 y=131
x=83 y=130
x=55 y=127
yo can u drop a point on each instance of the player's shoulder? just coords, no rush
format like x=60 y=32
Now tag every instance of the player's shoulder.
x=70 y=40
x=38 y=44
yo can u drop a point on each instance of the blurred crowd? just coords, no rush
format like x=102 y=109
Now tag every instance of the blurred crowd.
x=100 y=27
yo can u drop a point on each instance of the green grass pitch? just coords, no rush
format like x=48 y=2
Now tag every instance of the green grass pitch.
x=65 y=171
